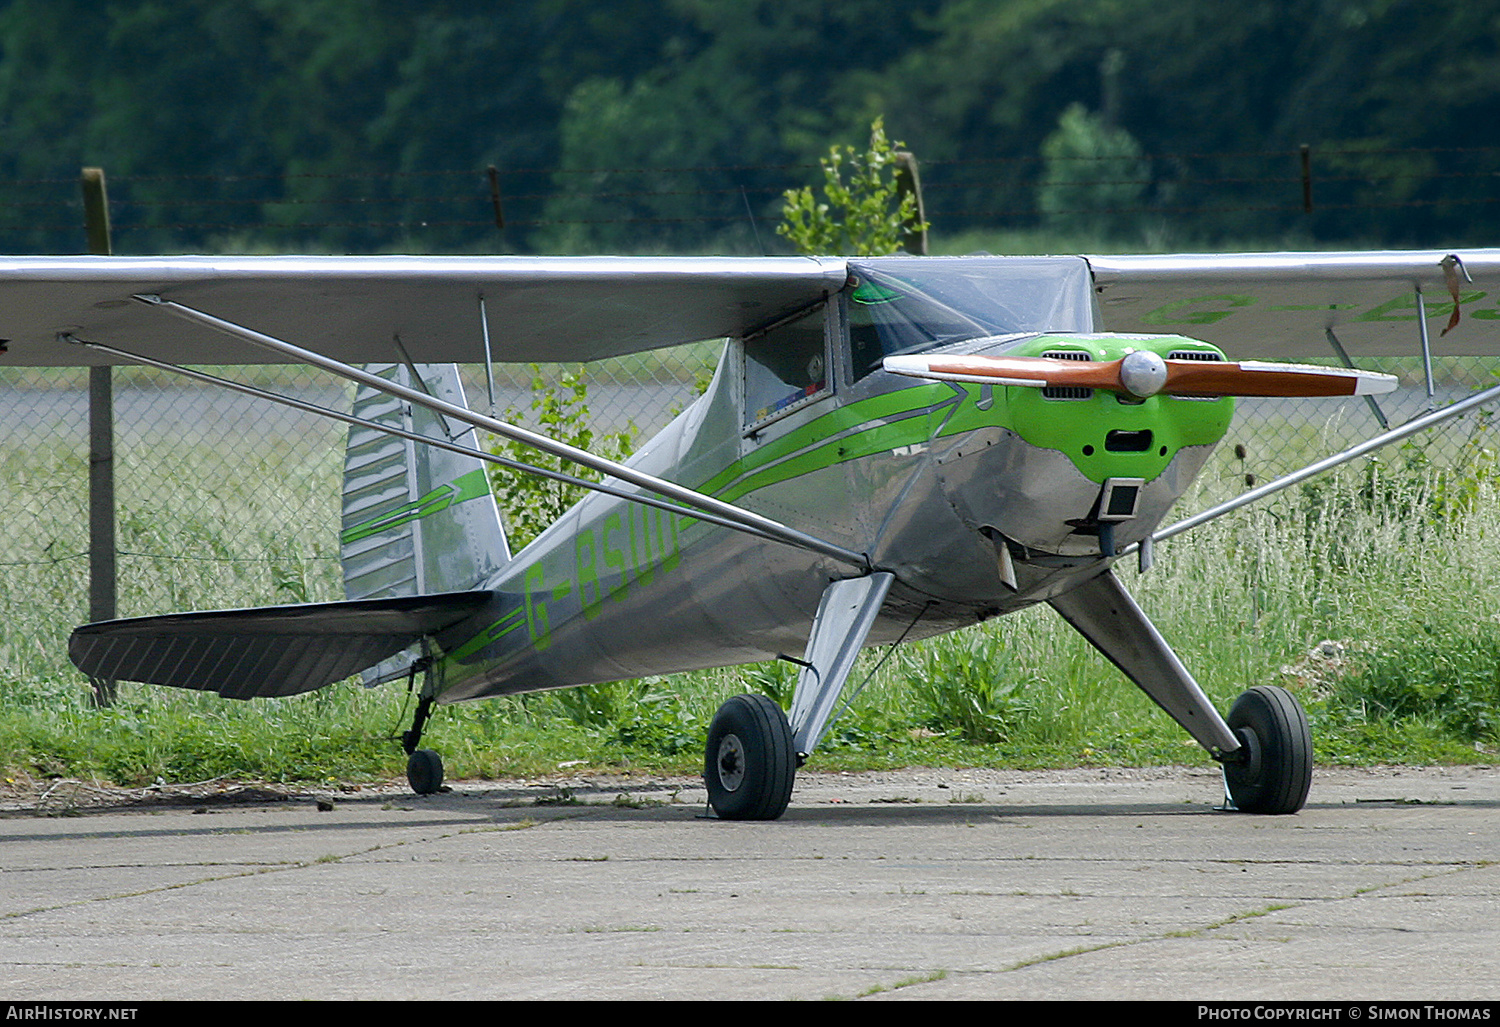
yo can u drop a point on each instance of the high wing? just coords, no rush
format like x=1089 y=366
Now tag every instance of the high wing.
x=540 y=309
x=1281 y=305
x=1266 y=305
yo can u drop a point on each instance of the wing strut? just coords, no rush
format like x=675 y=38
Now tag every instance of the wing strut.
x=479 y=454
x=1343 y=354
x=489 y=359
x=682 y=495
x=846 y=613
x=1427 y=347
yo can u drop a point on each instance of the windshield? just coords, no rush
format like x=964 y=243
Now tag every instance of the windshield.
x=904 y=305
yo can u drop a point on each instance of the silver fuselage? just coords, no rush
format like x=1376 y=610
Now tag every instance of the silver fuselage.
x=928 y=479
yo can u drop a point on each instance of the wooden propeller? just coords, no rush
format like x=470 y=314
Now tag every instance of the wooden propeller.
x=1144 y=373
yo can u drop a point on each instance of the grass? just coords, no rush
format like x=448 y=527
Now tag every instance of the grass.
x=1371 y=593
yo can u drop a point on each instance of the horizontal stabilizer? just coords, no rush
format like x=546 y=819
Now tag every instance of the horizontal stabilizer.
x=269 y=651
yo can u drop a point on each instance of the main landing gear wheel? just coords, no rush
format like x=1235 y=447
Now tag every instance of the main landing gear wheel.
x=424 y=772
x=749 y=763
x=1276 y=770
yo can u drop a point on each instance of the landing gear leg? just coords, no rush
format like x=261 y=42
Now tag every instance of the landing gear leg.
x=1272 y=770
x=750 y=762
x=1264 y=744
x=424 y=767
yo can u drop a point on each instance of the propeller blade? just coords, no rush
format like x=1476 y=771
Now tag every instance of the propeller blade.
x=1257 y=378
x=1032 y=371
x=1144 y=373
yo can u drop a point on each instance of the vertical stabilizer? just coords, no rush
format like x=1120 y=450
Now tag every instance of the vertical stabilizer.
x=417 y=520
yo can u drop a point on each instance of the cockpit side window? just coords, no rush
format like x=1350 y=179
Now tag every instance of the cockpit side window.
x=786 y=367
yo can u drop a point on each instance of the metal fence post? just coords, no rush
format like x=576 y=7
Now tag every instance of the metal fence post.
x=909 y=183
x=102 y=564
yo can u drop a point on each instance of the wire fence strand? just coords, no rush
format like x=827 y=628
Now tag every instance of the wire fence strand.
x=1196 y=187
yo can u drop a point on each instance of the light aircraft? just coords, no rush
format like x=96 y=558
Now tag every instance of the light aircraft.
x=890 y=448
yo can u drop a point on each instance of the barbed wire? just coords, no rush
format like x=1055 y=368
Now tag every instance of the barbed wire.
x=1342 y=151
x=134 y=212
x=735 y=218
x=1258 y=180
x=1316 y=151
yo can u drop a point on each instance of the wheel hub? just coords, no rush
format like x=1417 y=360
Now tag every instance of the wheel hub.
x=731 y=762
x=1249 y=765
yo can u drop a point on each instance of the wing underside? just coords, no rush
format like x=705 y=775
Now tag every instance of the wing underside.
x=271 y=651
x=1282 y=306
x=537 y=309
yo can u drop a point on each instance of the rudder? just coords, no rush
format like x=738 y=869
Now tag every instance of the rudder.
x=416 y=519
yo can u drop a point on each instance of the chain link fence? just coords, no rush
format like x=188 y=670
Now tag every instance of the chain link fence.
x=224 y=500
x=1272 y=437
x=221 y=500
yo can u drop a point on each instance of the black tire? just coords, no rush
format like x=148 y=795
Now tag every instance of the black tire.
x=424 y=772
x=1276 y=772
x=749 y=763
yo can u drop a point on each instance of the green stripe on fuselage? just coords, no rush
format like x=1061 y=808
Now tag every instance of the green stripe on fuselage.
x=496 y=631
x=913 y=416
x=1077 y=428
x=883 y=422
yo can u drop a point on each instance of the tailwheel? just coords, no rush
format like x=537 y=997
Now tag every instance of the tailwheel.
x=1273 y=770
x=424 y=772
x=424 y=768
x=749 y=763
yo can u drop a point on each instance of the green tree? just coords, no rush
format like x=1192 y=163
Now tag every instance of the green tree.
x=645 y=125
x=1094 y=179
x=691 y=153
x=528 y=502
x=867 y=214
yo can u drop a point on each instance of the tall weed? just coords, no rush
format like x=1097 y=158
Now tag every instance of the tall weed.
x=1445 y=673
x=964 y=683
